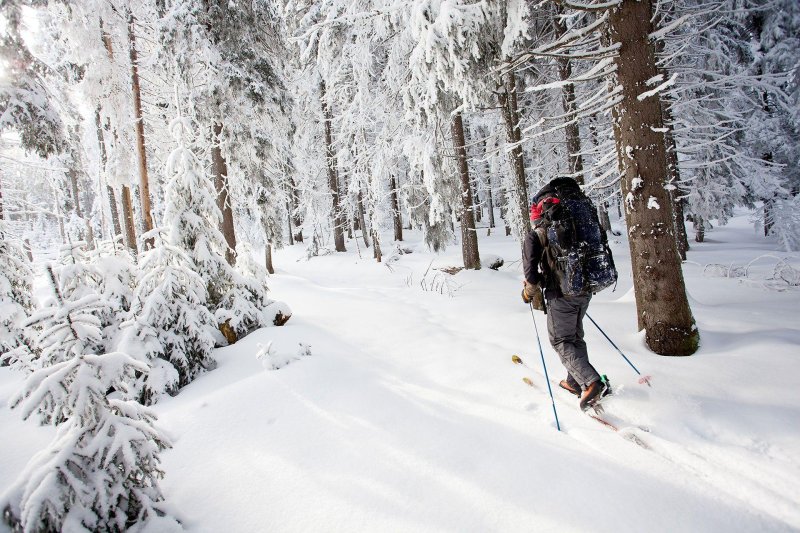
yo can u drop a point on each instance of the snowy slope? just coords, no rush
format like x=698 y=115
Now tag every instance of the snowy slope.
x=410 y=416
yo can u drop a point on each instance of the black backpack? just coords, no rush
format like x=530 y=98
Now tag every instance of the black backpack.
x=577 y=249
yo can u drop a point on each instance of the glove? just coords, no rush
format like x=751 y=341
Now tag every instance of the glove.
x=532 y=294
x=529 y=291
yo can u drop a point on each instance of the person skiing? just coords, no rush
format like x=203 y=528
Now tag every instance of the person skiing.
x=564 y=313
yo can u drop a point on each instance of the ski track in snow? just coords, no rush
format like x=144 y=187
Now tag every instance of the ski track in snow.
x=410 y=416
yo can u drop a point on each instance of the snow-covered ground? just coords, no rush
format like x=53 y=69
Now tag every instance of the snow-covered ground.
x=409 y=414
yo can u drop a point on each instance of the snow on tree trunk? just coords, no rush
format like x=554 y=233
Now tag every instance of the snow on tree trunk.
x=508 y=104
x=469 y=237
x=396 y=215
x=337 y=215
x=661 y=302
x=571 y=130
x=220 y=170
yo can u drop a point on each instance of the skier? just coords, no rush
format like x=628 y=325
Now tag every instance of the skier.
x=564 y=313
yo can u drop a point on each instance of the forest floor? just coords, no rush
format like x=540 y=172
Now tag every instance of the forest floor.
x=409 y=414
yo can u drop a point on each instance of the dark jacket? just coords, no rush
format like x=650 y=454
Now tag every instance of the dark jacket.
x=535 y=267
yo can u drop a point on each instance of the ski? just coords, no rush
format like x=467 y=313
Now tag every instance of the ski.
x=595 y=412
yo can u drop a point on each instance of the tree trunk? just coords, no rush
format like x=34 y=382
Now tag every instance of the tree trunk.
x=469 y=237
x=2 y=216
x=112 y=197
x=333 y=179
x=361 y=222
x=289 y=220
x=268 y=258
x=661 y=302
x=376 y=248
x=572 y=130
x=699 y=229
x=507 y=97
x=219 y=167
x=294 y=216
x=398 y=221
x=141 y=151
x=127 y=213
x=605 y=222
x=489 y=195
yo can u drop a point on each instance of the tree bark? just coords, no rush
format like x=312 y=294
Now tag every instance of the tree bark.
x=361 y=221
x=507 y=97
x=572 y=130
x=398 y=221
x=141 y=151
x=661 y=301
x=469 y=237
x=112 y=198
x=219 y=167
x=333 y=179
x=376 y=248
x=130 y=225
x=268 y=258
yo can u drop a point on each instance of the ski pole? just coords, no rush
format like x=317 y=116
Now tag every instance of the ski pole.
x=642 y=379
x=546 y=378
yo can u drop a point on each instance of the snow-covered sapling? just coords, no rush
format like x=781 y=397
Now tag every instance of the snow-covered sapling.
x=101 y=471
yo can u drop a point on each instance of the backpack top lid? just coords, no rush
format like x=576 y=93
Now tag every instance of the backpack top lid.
x=561 y=186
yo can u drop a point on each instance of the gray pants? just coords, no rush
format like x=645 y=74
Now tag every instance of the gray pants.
x=565 y=328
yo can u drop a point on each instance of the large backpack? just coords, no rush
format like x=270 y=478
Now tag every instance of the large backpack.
x=577 y=249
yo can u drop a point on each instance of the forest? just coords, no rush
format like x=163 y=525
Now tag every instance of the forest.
x=158 y=156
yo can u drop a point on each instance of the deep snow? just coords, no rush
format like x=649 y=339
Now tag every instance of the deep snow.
x=410 y=416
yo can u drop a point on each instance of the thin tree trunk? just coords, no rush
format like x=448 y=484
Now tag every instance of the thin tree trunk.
x=295 y=221
x=489 y=194
x=469 y=237
x=661 y=302
x=219 y=167
x=289 y=220
x=130 y=225
x=268 y=258
x=396 y=217
x=112 y=197
x=507 y=97
x=361 y=221
x=572 y=130
x=605 y=222
x=141 y=151
x=376 y=248
x=699 y=229
x=333 y=180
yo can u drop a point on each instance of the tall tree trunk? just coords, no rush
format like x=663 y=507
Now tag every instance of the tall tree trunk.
x=333 y=179
x=469 y=237
x=572 y=130
x=507 y=97
x=141 y=151
x=396 y=217
x=675 y=192
x=219 y=167
x=130 y=224
x=661 y=302
x=289 y=220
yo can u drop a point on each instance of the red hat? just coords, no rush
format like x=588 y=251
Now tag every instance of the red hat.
x=538 y=209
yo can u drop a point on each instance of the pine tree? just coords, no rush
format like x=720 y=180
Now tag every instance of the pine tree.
x=17 y=345
x=101 y=471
